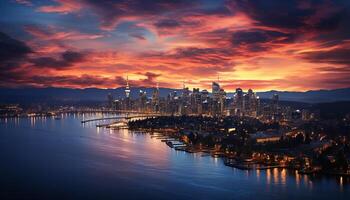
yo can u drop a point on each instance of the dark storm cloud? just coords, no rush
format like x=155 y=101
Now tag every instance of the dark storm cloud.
x=111 y=11
x=81 y=81
x=148 y=81
x=326 y=20
x=13 y=54
x=203 y=56
x=260 y=36
x=167 y=23
x=276 y=13
x=12 y=49
x=293 y=14
x=260 y=40
x=71 y=56
x=65 y=60
x=23 y=78
x=322 y=21
x=335 y=56
x=332 y=69
x=120 y=7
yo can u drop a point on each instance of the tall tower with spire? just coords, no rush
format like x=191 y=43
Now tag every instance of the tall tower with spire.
x=127 y=101
x=127 y=88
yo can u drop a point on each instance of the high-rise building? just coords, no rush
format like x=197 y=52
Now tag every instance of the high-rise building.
x=196 y=101
x=142 y=101
x=274 y=105
x=215 y=90
x=185 y=101
x=205 y=101
x=127 y=88
x=275 y=112
x=250 y=104
x=173 y=103
x=110 y=100
x=238 y=102
x=155 y=99
x=127 y=100
x=222 y=100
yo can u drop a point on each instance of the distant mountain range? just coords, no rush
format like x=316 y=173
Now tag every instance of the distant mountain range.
x=312 y=96
x=35 y=95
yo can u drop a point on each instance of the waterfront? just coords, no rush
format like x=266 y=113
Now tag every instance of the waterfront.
x=48 y=158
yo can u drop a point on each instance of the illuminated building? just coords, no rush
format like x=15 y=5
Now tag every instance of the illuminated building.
x=127 y=100
x=142 y=101
x=238 y=102
x=266 y=136
x=155 y=99
x=127 y=88
x=185 y=101
x=215 y=89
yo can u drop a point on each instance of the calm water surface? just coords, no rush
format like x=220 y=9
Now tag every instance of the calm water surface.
x=55 y=159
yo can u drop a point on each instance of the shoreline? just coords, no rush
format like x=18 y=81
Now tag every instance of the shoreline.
x=166 y=135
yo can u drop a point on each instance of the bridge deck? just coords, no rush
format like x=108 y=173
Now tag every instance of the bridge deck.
x=118 y=117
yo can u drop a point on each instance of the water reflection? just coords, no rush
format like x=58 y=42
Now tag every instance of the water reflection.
x=341 y=183
x=32 y=121
x=275 y=175
x=268 y=176
x=283 y=177
x=297 y=178
x=114 y=158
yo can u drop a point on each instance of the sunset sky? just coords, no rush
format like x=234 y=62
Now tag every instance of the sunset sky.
x=259 y=44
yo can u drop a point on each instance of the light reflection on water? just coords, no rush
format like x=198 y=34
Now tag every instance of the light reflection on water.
x=122 y=162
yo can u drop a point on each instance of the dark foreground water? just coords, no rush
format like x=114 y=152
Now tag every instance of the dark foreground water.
x=44 y=158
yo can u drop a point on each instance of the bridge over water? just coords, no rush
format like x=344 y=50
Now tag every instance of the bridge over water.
x=106 y=111
x=127 y=117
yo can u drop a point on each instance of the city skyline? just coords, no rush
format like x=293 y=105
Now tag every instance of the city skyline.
x=84 y=44
x=175 y=99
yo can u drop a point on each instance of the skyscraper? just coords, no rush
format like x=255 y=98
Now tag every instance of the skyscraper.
x=110 y=100
x=215 y=89
x=127 y=101
x=275 y=99
x=155 y=99
x=142 y=101
x=185 y=101
x=238 y=101
x=127 y=88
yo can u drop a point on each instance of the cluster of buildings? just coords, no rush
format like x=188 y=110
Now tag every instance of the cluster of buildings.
x=203 y=102
x=190 y=102
x=193 y=102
